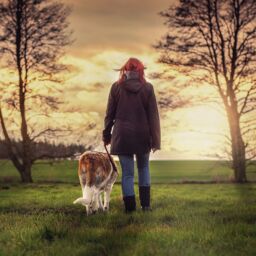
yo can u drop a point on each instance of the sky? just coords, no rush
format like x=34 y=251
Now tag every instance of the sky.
x=107 y=33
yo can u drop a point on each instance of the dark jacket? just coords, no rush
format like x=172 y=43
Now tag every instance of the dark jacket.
x=132 y=109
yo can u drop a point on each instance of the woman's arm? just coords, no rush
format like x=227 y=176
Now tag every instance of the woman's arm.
x=154 y=121
x=110 y=116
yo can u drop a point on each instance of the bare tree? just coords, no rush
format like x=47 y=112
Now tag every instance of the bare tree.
x=170 y=98
x=33 y=34
x=218 y=38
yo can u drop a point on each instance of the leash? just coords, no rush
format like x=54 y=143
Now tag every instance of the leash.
x=110 y=159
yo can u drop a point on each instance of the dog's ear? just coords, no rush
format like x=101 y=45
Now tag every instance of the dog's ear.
x=81 y=201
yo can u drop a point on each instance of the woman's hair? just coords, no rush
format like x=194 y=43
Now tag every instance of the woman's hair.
x=133 y=64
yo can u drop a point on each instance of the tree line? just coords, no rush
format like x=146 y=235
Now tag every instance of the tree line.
x=47 y=150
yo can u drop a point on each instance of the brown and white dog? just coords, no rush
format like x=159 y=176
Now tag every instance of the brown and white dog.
x=96 y=175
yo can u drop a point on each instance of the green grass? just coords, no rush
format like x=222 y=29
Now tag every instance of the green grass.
x=188 y=219
x=161 y=171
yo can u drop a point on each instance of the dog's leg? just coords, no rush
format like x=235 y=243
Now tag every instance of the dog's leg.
x=107 y=193
x=88 y=195
x=82 y=183
x=87 y=210
x=100 y=201
x=95 y=202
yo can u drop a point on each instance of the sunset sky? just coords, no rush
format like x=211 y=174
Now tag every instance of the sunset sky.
x=107 y=33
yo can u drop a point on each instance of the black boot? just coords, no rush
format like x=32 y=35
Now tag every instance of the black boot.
x=129 y=203
x=144 y=192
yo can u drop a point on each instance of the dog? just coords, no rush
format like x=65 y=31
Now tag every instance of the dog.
x=97 y=175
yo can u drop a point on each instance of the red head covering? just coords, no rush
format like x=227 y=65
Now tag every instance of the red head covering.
x=132 y=64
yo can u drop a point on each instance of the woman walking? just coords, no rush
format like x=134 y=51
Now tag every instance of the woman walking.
x=132 y=112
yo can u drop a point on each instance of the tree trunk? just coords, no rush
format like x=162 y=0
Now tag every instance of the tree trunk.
x=25 y=174
x=238 y=155
x=238 y=147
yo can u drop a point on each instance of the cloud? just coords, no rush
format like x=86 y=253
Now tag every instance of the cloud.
x=116 y=24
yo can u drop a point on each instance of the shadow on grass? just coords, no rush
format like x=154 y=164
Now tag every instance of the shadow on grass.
x=100 y=234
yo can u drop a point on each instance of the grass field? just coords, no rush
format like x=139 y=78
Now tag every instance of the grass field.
x=161 y=171
x=187 y=219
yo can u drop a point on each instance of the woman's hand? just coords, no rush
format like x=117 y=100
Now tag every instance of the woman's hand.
x=106 y=143
x=106 y=140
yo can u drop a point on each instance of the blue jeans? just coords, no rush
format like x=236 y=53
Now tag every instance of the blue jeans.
x=127 y=165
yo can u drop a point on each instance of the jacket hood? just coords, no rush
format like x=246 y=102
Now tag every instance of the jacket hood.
x=132 y=85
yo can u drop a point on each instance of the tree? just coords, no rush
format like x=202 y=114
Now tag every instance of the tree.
x=218 y=38
x=33 y=34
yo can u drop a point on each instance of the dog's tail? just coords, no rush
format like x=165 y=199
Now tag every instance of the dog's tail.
x=81 y=201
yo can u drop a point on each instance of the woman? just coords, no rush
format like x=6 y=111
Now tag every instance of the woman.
x=132 y=110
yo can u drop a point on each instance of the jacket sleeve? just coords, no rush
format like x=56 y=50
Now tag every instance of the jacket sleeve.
x=154 y=120
x=110 y=115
